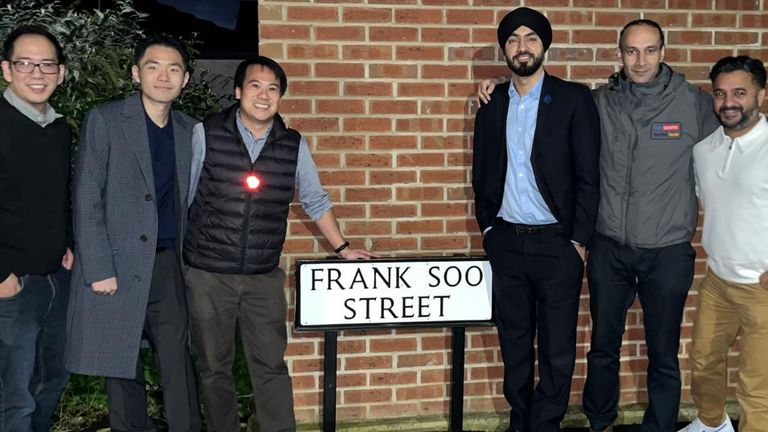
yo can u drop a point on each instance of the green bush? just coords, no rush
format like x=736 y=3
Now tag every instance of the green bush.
x=99 y=48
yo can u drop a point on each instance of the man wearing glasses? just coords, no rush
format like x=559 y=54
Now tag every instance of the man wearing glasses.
x=35 y=233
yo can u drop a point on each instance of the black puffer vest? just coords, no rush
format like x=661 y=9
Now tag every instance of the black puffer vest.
x=231 y=229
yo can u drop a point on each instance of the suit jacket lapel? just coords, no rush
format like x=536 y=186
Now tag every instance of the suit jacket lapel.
x=135 y=129
x=544 y=116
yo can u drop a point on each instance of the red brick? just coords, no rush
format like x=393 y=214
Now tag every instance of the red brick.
x=595 y=36
x=312 y=13
x=749 y=20
x=443 y=142
x=709 y=56
x=419 y=193
x=368 y=362
x=367 y=395
x=736 y=5
x=314 y=88
x=463 y=226
x=445 y=71
x=716 y=20
x=359 y=14
x=472 y=53
x=296 y=69
x=295 y=106
x=313 y=51
x=444 y=243
x=422 y=226
x=420 y=159
x=585 y=72
x=469 y=17
x=443 y=209
x=368 y=228
x=688 y=37
x=283 y=31
x=595 y=3
x=485 y=35
x=327 y=160
x=367 y=124
x=419 y=16
x=340 y=106
x=736 y=38
x=394 y=244
x=445 y=2
x=367 y=160
x=421 y=89
x=416 y=360
x=571 y=17
x=298 y=245
x=420 y=53
x=392 y=142
x=393 y=107
x=614 y=19
x=393 y=345
x=340 y=70
x=421 y=125
x=314 y=124
x=393 y=71
x=393 y=210
x=691 y=4
x=643 y=4
x=367 y=194
x=396 y=34
x=367 y=88
x=393 y=378
x=444 y=35
x=570 y=54
x=342 y=178
x=384 y=177
x=351 y=346
x=444 y=107
x=342 y=33
x=433 y=391
x=367 y=52
x=340 y=143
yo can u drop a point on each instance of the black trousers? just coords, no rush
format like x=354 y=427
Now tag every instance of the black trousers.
x=166 y=328
x=661 y=278
x=537 y=281
x=256 y=303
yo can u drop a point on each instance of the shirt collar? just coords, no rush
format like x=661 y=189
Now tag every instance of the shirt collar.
x=534 y=93
x=42 y=119
x=755 y=136
x=245 y=132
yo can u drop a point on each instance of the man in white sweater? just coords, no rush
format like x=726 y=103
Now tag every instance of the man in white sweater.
x=732 y=176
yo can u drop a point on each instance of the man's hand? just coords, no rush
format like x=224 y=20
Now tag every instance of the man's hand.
x=68 y=259
x=764 y=280
x=486 y=87
x=105 y=287
x=352 y=254
x=10 y=286
x=582 y=251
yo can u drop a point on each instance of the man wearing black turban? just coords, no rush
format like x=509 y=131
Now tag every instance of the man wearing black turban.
x=535 y=177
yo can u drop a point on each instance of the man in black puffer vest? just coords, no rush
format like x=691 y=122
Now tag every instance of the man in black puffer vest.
x=246 y=166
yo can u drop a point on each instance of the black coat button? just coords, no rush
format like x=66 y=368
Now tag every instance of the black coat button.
x=143 y=238
x=137 y=278
x=148 y=197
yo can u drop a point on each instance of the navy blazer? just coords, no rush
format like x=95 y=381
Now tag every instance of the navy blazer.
x=564 y=157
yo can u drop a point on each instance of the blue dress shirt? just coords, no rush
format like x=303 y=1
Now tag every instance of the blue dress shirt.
x=522 y=202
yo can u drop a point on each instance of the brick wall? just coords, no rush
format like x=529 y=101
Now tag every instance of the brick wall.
x=382 y=89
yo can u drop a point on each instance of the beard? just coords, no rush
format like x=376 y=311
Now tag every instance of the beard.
x=525 y=69
x=748 y=114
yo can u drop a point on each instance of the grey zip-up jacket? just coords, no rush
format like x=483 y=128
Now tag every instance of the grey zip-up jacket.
x=647 y=196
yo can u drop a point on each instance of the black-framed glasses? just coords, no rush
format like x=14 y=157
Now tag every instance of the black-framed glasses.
x=26 y=66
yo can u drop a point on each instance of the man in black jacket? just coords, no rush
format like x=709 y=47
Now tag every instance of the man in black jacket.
x=535 y=177
x=35 y=232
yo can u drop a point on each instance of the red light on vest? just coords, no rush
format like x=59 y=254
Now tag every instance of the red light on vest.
x=252 y=182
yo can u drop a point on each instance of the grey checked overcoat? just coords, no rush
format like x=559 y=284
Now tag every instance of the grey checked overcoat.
x=115 y=222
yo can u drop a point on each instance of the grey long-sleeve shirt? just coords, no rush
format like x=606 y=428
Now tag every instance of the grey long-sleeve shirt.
x=313 y=198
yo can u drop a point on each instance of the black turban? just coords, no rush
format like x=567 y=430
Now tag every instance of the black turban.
x=528 y=17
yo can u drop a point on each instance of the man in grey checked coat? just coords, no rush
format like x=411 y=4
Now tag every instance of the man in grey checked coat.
x=129 y=217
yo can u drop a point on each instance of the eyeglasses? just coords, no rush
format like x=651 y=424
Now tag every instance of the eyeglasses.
x=26 y=66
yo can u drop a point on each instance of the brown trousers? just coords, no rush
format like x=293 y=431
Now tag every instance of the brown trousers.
x=725 y=310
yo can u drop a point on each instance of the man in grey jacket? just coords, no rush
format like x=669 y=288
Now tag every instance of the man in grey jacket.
x=651 y=117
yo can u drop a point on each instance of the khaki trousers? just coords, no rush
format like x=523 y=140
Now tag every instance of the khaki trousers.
x=725 y=310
